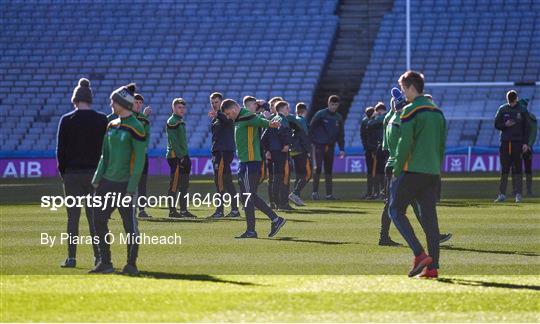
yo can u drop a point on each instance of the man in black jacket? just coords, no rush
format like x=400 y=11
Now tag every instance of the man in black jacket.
x=369 y=151
x=222 y=155
x=143 y=117
x=300 y=152
x=375 y=138
x=513 y=122
x=269 y=163
x=528 y=156
x=326 y=129
x=79 y=139
x=276 y=143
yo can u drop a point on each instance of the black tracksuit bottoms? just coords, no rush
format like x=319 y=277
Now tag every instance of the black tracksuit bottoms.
x=249 y=177
x=422 y=188
x=280 y=177
x=179 y=181
x=302 y=169
x=141 y=189
x=323 y=153
x=129 y=220
x=78 y=183
x=510 y=156
x=221 y=160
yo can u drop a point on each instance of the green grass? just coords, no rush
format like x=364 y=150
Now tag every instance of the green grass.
x=324 y=265
x=269 y=298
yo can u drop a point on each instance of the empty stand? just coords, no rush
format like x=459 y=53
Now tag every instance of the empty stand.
x=191 y=48
x=171 y=49
x=456 y=41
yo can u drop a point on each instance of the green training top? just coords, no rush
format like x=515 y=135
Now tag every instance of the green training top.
x=386 y=120
x=533 y=123
x=246 y=135
x=176 y=137
x=143 y=119
x=422 y=138
x=122 y=154
x=392 y=125
x=297 y=124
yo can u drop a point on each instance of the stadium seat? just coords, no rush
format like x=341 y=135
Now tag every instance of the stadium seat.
x=458 y=43
x=178 y=51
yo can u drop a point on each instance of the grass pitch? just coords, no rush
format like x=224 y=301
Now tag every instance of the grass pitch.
x=325 y=264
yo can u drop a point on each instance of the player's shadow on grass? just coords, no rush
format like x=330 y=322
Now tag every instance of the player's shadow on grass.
x=459 y=203
x=455 y=248
x=178 y=220
x=325 y=211
x=243 y=219
x=480 y=283
x=299 y=240
x=191 y=277
x=210 y=220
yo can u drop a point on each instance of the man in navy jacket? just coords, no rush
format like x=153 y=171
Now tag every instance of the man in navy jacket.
x=326 y=128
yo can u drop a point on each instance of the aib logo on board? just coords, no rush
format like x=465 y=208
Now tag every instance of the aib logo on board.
x=455 y=163
x=355 y=164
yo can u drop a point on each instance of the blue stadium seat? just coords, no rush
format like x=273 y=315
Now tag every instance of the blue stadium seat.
x=461 y=41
